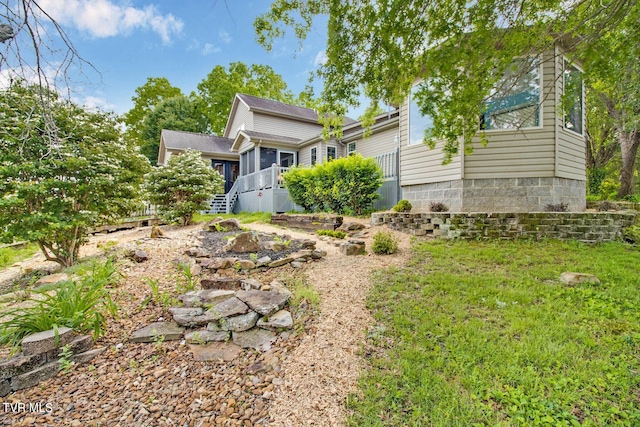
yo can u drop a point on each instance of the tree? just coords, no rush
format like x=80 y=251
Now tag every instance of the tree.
x=53 y=194
x=459 y=50
x=176 y=113
x=147 y=97
x=183 y=186
x=218 y=89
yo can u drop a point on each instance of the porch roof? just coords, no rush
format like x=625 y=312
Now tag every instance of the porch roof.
x=206 y=144
x=254 y=137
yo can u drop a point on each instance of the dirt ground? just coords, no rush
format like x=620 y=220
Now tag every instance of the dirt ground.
x=312 y=371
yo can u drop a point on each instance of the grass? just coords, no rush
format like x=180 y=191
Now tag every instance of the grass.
x=11 y=255
x=244 y=217
x=483 y=333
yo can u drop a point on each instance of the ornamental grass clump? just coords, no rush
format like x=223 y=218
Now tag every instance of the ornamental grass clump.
x=82 y=304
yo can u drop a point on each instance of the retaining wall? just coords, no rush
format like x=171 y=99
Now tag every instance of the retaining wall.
x=584 y=226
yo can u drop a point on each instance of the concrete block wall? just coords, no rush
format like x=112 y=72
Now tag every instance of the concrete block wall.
x=499 y=194
x=584 y=226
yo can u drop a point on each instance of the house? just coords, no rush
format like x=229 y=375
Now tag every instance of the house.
x=535 y=154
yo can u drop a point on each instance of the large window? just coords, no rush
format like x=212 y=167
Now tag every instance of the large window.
x=572 y=102
x=248 y=161
x=331 y=153
x=418 y=124
x=268 y=156
x=515 y=103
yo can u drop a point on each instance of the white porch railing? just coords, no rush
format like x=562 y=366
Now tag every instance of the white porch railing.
x=389 y=164
x=270 y=177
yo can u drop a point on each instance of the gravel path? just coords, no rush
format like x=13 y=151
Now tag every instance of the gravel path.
x=310 y=375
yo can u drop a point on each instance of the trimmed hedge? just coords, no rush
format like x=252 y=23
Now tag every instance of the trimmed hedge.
x=348 y=185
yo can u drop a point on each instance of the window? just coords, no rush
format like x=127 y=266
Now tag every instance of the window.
x=248 y=161
x=287 y=159
x=314 y=156
x=515 y=103
x=268 y=156
x=331 y=153
x=572 y=102
x=418 y=123
x=351 y=148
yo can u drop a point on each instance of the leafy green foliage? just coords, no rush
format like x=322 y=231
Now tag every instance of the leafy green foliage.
x=346 y=185
x=183 y=186
x=10 y=255
x=55 y=186
x=483 y=333
x=332 y=233
x=65 y=359
x=83 y=305
x=403 y=206
x=179 y=113
x=384 y=243
x=217 y=90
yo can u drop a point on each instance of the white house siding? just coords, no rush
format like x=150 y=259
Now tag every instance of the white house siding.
x=285 y=127
x=245 y=145
x=242 y=117
x=418 y=163
x=519 y=153
x=378 y=143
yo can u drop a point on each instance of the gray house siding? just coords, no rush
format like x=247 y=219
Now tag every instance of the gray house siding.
x=378 y=143
x=286 y=127
x=243 y=118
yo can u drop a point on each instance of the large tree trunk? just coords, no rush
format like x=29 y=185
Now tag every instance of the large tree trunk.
x=629 y=142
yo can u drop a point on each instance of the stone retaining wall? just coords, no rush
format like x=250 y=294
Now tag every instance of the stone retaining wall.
x=307 y=222
x=590 y=227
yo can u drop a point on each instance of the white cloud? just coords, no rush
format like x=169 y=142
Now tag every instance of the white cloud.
x=321 y=58
x=105 y=18
x=224 y=36
x=209 y=48
x=97 y=103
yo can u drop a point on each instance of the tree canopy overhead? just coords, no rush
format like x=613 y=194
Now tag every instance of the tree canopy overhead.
x=459 y=48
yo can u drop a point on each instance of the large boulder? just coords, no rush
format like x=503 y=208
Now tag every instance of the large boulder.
x=264 y=302
x=243 y=243
x=222 y=225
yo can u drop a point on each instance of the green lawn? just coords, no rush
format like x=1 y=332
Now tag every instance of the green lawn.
x=244 y=217
x=477 y=333
x=11 y=255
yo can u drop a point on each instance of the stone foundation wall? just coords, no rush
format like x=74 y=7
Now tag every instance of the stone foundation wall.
x=589 y=227
x=499 y=194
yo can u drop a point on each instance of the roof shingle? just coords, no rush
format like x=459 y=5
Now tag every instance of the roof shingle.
x=210 y=144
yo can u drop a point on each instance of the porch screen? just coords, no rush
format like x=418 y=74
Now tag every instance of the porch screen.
x=268 y=156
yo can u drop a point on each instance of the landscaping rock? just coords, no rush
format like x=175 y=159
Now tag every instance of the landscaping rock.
x=20 y=364
x=304 y=254
x=265 y=260
x=240 y=323
x=259 y=339
x=318 y=254
x=215 y=296
x=245 y=264
x=264 y=302
x=352 y=247
x=231 y=307
x=279 y=320
x=197 y=252
x=222 y=225
x=5 y=388
x=248 y=284
x=278 y=286
x=274 y=246
x=227 y=283
x=280 y=262
x=243 y=242
x=217 y=263
x=297 y=264
x=86 y=356
x=186 y=311
x=45 y=341
x=572 y=279
x=30 y=379
x=350 y=226
x=308 y=244
x=156 y=232
x=216 y=351
x=169 y=330
x=205 y=336
x=137 y=255
x=52 y=278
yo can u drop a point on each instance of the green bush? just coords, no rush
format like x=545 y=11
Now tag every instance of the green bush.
x=81 y=304
x=348 y=185
x=384 y=243
x=609 y=189
x=595 y=176
x=183 y=187
x=332 y=233
x=403 y=206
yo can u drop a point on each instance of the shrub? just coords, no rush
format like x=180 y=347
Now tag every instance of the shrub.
x=332 y=233
x=606 y=205
x=556 y=207
x=384 y=243
x=403 y=206
x=183 y=186
x=438 y=207
x=347 y=185
x=81 y=304
x=609 y=188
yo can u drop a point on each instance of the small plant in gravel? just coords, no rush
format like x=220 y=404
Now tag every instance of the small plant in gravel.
x=384 y=243
x=186 y=281
x=162 y=299
x=403 y=206
x=332 y=233
x=83 y=305
x=438 y=207
x=253 y=257
x=65 y=359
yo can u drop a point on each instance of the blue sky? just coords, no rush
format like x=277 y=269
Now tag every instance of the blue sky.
x=129 y=41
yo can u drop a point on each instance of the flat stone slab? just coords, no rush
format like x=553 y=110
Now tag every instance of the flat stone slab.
x=206 y=336
x=226 y=283
x=87 y=356
x=42 y=342
x=228 y=308
x=216 y=351
x=280 y=262
x=240 y=323
x=52 y=278
x=5 y=388
x=169 y=330
x=215 y=296
x=259 y=339
x=20 y=364
x=30 y=379
x=264 y=302
x=573 y=279
x=186 y=311
x=279 y=320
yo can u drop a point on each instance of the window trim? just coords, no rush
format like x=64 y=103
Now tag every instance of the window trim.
x=540 y=105
x=349 y=151
x=335 y=149
x=295 y=157
x=311 y=155
x=564 y=127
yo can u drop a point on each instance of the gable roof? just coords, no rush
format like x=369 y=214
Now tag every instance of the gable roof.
x=207 y=144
